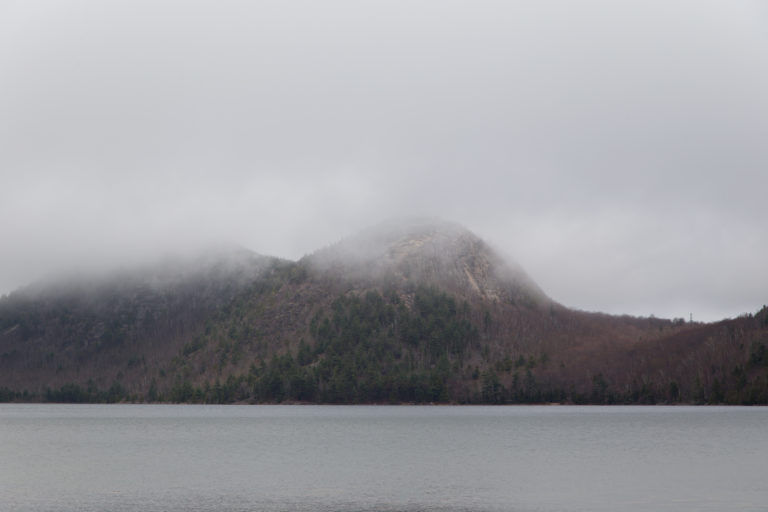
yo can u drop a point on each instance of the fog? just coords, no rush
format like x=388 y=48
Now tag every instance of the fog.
x=616 y=151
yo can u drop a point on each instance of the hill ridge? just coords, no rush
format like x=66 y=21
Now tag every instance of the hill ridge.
x=420 y=312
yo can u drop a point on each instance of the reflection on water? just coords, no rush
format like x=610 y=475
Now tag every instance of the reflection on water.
x=335 y=458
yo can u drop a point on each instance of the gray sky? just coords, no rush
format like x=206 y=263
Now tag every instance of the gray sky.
x=618 y=151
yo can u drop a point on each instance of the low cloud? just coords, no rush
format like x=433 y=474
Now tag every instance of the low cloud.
x=617 y=152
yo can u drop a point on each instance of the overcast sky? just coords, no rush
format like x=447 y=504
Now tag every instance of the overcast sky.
x=618 y=151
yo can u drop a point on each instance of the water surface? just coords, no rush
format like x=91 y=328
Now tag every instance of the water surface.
x=380 y=458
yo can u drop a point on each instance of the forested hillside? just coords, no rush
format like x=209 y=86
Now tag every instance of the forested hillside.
x=423 y=313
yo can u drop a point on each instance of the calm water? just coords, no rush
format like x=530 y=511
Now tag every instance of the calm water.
x=326 y=458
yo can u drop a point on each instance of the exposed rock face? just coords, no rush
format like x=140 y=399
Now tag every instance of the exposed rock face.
x=430 y=252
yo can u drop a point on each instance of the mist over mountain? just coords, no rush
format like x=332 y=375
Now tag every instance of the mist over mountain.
x=427 y=251
x=416 y=311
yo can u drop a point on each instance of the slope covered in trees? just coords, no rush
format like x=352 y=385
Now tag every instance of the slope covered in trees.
x=421 y=313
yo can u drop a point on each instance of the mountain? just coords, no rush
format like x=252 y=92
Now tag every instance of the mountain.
x=417 y=311
x=428 y=252
x=93 y=329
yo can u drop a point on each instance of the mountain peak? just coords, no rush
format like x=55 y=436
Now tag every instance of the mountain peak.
x=431 y=252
